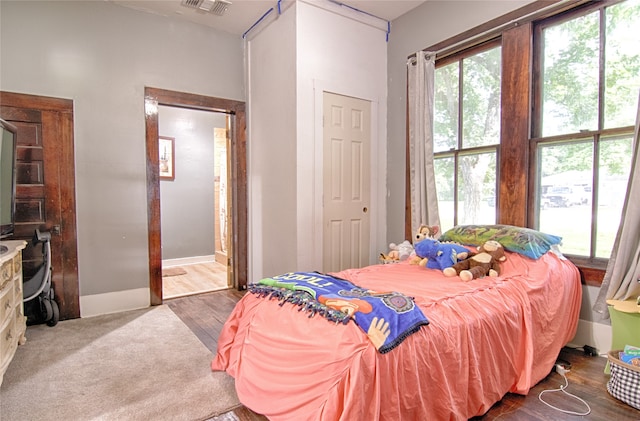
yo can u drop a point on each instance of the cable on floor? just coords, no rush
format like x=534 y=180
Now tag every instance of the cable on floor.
x=562 y=371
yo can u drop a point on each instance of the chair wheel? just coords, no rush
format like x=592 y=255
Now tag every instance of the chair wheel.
x=47 y=310
x=56 y=314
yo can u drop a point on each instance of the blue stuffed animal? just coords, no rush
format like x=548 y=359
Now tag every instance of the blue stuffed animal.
x=437 y=255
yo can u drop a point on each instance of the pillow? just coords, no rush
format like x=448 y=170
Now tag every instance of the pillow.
x=525 y=241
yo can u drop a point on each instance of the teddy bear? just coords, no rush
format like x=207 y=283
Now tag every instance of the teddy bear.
x=484 y=263
x=436 y=255
x=400 y=251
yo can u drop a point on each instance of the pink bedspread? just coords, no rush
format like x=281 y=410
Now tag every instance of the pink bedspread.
x=487 y=337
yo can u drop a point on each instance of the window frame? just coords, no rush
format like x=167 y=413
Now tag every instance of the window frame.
x=458 y=151
x=597 y=265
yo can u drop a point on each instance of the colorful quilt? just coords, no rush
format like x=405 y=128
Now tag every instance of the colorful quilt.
x=387 y=317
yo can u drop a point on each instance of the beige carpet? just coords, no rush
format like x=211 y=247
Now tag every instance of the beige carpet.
x=136 y=365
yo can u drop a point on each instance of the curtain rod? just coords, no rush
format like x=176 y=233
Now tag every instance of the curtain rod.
x=480 y=34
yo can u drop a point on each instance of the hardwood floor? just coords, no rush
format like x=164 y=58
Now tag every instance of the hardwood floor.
x=180 y=281
x=206 y=313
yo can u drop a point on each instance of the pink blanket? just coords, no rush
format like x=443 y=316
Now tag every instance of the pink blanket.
x=487 y=337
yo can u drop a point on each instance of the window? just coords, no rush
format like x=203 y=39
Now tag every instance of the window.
x=583 y=122
x=557 y=152
x=467 y=135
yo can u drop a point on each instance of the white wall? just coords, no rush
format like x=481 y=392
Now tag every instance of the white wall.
x=343 y=52
x=102 y=56
x=592 y=329
x=271 y=117
x=292 y=59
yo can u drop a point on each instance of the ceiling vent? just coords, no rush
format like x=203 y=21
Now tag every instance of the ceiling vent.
x=217 y=7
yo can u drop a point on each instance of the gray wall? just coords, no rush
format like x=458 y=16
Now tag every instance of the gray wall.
x=187 y=202
x=102 y=56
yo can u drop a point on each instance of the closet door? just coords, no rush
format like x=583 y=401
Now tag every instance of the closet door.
x=347 y=182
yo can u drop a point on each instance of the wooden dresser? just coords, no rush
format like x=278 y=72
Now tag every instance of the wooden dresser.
x=13 y=323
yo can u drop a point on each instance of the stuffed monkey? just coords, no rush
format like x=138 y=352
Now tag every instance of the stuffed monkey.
x=484 y=263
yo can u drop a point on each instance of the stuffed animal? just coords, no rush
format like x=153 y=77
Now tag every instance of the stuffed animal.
x=484 y=263
x=426 y=231
x=436 y=255
x=400 y=251
x=423 y=232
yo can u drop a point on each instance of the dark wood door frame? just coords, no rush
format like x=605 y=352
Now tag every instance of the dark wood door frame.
x=238 y=185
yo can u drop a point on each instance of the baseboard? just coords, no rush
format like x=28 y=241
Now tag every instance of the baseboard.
x=221 y=257
x=597 y=335
x=182 y=261
x=114 y=302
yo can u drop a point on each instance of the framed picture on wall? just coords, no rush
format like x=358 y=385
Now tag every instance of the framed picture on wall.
x=166 y=147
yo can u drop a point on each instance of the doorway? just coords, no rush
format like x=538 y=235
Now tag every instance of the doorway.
x=236 y=220
x=193 y=180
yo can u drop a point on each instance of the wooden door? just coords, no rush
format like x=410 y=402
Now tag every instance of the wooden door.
x=346 y=185
x=222 y=216
x=45 y=188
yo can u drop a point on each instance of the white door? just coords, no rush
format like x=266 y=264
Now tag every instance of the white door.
x=346 y=184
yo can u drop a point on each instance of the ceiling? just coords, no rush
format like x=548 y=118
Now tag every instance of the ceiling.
x=242 y=14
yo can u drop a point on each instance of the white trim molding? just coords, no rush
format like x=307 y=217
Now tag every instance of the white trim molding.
x=596 y=335
x=114 y=302
x=193 y=260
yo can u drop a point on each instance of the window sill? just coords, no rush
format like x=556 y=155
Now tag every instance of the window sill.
x=590 y=275
x=591 y=270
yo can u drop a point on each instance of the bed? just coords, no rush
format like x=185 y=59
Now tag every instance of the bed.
x=484 y=338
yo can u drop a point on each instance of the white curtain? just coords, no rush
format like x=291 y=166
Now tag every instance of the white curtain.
x=621 y=278
x=424 y=200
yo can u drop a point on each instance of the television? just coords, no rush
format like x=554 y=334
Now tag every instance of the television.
x=7 y=181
